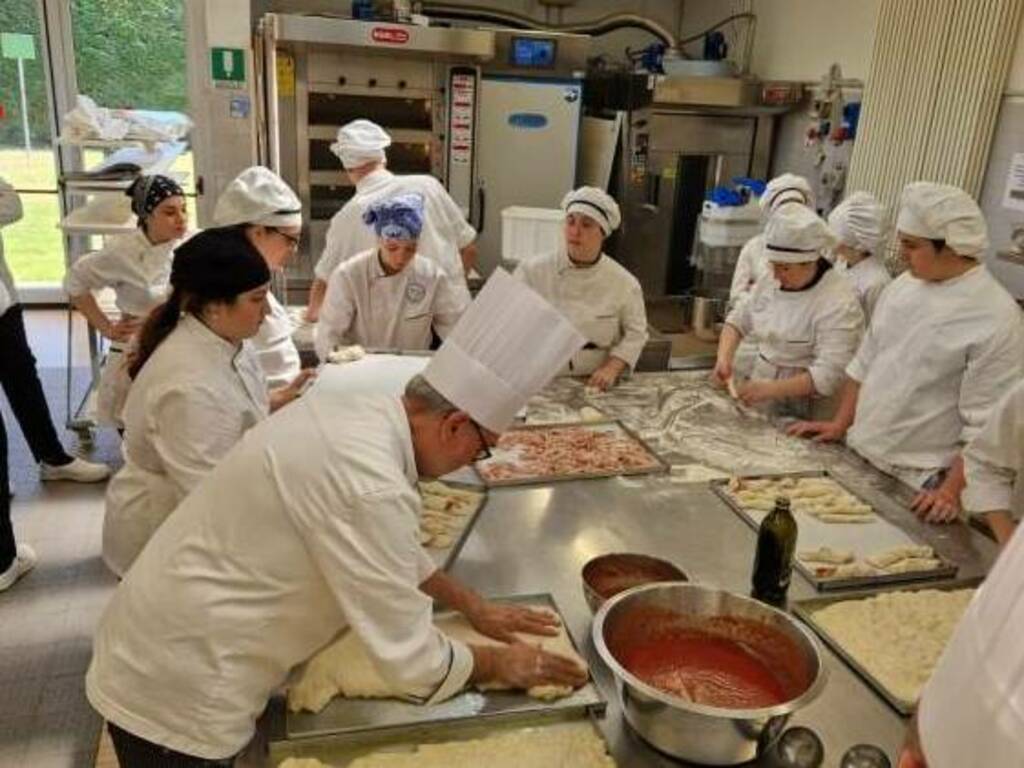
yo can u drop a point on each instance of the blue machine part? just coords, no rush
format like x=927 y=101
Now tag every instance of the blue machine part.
x=851 y=117
x=527 y=120
x=651 y=56
x=756 y=186
x=715 y=46
x=727 y=197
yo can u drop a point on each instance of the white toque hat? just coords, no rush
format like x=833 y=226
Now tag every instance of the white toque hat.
x=595 y=203
x=507 y=346
x=787 y=188
x=361 y=142
x=796 y=235
x=258 y=196
x=857 y=222
x=943 y=212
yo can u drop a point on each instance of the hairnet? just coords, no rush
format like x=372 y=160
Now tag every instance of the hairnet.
x=595 y=203
x=396 y=218
x=258 y=196
x=943 y=212
x=786 y=188
x=360 y=142
x=147 y=192
x=857 y=222
x=795 y=234
x=218 y=264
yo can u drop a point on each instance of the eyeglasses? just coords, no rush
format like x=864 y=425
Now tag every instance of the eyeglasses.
x=293 y=240
x=485 y=450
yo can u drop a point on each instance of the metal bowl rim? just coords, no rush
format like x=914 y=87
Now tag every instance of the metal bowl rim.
x=812 y=691
x=589 y=589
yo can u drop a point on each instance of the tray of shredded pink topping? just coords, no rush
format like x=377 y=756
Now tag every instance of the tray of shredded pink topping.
x=543 y=453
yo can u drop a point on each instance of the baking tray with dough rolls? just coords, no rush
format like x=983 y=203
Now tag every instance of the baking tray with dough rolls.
x=842 y=541
x=347 y=717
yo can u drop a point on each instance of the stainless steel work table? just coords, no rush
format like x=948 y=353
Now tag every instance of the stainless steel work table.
x=537 y=540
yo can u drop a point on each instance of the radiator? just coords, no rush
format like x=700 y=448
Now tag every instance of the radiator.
x=932 y=94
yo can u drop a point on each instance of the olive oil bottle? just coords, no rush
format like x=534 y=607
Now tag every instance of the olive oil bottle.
x=773 y=561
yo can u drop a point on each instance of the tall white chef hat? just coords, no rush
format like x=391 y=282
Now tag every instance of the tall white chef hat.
x=796 y=234
x=943 y=212
x=507 y=346
x=258 y=196
x=857 y=222
x=361 y=142
x=787 y=188
x=595 y=203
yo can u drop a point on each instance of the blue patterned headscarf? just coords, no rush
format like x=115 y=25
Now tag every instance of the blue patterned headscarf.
x=396 y=218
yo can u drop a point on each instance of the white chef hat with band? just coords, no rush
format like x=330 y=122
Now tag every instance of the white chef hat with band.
x=858 y=222
x=361 y=142
x=595 y=203
x=795 y=234
x=943 y=212
x=787 y=188
x=506 y=347
x=258 y=196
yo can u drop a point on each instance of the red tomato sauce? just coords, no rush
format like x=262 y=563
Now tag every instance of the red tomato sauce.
x=706 y=669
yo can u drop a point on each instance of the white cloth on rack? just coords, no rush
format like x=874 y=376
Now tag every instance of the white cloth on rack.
x=91 y=121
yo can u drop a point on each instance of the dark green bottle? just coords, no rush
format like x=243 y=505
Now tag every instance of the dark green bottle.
x=773 y=561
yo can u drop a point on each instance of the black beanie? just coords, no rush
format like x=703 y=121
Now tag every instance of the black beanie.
x=218 y=264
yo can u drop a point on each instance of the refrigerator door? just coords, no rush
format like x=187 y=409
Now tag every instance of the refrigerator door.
x=528 y=136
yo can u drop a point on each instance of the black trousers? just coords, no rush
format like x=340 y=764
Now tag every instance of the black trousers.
x=24 y=391
x=7 y=547
x=134 y=752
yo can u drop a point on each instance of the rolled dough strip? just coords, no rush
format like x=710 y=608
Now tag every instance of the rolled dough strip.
x=914 y=564
x=827 y=555
x=834 y=518
x=892 y=556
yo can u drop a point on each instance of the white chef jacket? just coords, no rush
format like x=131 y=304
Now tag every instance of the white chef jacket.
x=751 y=266
x=933 y=363
x=139 y=273
x=816 y=329
x=137 y=270
x=994 y=459
x=10 y=212
x=971 y=711
x=364 y=305
x=307 y=527
x=604 y=301
x=445 y=230
x=193 y=399
x=274 y=346
x=869 y=277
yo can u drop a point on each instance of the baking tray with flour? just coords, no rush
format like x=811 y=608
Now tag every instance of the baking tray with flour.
x=861 y=539
x=343 y=718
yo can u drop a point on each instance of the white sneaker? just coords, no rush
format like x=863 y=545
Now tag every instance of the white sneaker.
x=24 y=562
x=77 y=471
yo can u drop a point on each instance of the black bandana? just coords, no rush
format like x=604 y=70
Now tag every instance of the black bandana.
x=147 y=192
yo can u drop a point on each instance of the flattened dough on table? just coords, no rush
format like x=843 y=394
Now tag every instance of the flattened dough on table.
x=344 y=668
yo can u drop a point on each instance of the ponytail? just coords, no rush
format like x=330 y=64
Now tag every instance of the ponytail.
x=158 y=326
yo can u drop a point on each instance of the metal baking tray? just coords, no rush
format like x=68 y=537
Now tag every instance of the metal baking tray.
x=445 y=557
x=344 y=717
x=340 y=753
x=658 y=464
x=947 y=570
x=805 y=610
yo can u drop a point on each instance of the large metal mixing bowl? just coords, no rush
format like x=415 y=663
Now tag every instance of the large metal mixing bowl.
x=685 y=729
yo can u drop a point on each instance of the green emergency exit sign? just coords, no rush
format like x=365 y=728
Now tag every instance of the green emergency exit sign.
x=227 y=65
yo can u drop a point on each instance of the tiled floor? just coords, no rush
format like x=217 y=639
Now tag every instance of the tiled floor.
x=47 y=618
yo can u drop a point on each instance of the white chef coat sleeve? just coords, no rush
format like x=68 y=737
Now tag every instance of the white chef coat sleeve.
x=991 y=371
x=837 y=334
x=971 y=711
x=743 y=275
x=449 y=304
x=451 y=219
x=10 y=204
x=633 y=323
x=336 y=314
x=339 y=243
x=191 y=433
x=367 y=550
x=91 y=272
x=742 y=317
x=995 y=457
x=871 y=296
